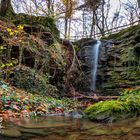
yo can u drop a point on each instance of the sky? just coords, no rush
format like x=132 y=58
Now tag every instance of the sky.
x=115 y=5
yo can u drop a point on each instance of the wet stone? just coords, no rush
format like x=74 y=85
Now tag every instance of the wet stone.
x=11 y=132
x=44 y=124
x=39 y=132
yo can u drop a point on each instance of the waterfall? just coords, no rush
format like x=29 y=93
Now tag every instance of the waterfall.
x=95 y=55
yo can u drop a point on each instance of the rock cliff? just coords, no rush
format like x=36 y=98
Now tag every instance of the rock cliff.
x=119 y=61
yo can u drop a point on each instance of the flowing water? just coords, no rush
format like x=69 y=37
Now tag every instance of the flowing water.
x=95 y=55
x=61 y=128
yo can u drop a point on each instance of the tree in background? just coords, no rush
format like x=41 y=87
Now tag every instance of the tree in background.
x=131 y=11
x=69 y=6
x=138 y=3
x=95 y=14
x=98 y=11
x=6 y=7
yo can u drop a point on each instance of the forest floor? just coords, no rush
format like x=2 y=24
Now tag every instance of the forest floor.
x=15 y=102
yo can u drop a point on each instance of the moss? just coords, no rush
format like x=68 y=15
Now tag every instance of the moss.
x=45 y=23
x=106 y=111
x=124 y=33
x=126 y=106
x=27 y=79
x=123 y=63
x=137 y=49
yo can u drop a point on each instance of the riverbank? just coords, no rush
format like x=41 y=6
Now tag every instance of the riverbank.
x=18 y=103
x=65 y=128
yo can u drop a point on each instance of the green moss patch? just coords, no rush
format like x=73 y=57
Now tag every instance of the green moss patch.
x=127 y=106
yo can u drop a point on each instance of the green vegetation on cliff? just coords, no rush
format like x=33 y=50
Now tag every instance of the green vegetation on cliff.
x=121 y=74
x=33 y=66
x=121 y=68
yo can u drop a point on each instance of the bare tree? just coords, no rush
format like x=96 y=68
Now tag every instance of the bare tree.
x=99 y=14
x=131 y=11
x=100 y=17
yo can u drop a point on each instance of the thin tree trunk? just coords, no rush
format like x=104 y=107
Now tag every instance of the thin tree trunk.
x=83 y=16
x=66 y=28
x=6 y=7
x=103 y=18
x=138 y=3
x=49 y=5
x=92 y=24
x=69 y=31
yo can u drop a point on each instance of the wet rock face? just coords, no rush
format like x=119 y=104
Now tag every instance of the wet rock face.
x=137 y=49
x=85 y=55
x=119 y=61
x=105 y=51
x=119 y=64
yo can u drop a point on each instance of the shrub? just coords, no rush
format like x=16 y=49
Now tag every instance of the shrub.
x=30 y=81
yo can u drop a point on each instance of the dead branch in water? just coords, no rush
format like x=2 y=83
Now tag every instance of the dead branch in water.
x=96 y=98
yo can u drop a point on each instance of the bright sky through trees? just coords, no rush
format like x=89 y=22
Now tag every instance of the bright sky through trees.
x=27 y=6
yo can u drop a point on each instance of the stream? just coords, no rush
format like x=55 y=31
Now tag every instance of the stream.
x=64 y=128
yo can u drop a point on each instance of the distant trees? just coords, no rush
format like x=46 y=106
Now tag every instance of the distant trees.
x=98 y=10
x=131 y=11
x=101 y=19
x=92 y=16
x=68 y=9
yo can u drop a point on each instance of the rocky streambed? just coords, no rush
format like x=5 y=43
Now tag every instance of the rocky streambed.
x=66 y=128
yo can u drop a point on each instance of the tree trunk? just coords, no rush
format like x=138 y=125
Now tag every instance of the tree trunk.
x=66 y=28
x=6 y=7
x=138 y=3
x=92 y=24
x=69 y=29
x=103 y=18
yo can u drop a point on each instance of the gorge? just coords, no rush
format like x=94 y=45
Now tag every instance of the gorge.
x=52 y=88
x=118 y=63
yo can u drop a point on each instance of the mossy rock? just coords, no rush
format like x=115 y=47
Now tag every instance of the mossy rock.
x=122 y=65
x=127 y=106
x=46 y=23
x=84 y=41
x=125 y=33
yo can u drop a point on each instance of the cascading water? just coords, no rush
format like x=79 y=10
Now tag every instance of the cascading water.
x=88 y=55
x=95 y=55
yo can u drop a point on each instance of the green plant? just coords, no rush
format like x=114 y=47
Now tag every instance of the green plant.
x=30 y=81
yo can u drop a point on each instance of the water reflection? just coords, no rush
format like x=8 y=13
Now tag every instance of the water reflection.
x=61 y=128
